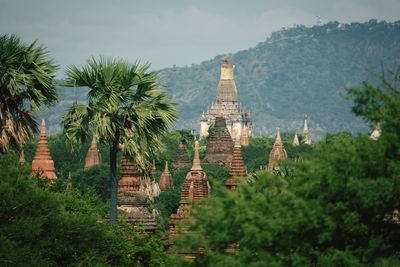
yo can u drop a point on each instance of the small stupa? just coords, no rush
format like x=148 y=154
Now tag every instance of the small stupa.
x=195 y=187
x=42 y=162
x=132 y=203
x=181 y=158
x=93 y=156
x=277 y=153
x=237 y=170
x=296 y=140
x=376 y=133
x=166 y=180
x=306 y=135
x=219 y=144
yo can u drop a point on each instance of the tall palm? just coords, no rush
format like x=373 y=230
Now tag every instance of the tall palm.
x=26 y=82
x=125 y=106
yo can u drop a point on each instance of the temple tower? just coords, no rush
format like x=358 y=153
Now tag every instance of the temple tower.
x=132 y=203
x=166 y=180
x=42 y=162
x=93 y=156
x=296 y=140
x=219 y=144
x=195 y=187
x=306 y=136
x=238 y=121
x=181 y=158
x=237 y=170
x=277 y=153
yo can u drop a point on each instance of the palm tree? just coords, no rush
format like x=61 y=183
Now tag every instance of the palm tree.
x=125 y=106
x=26 y=82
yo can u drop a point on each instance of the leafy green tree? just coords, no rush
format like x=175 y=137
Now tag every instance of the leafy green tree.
x=125 y=106
x=336 y=208
x=51 y=224
x=26 y=83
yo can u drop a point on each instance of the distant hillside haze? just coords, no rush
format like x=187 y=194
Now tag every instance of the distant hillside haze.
x=295 y=72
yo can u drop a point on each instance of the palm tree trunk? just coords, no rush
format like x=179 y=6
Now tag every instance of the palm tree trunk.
x=113 y=178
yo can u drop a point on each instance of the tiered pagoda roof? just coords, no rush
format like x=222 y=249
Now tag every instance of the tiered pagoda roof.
x=182 y=158
x=277 y=153
x=237 y=170
x=195 y=187
x=166 y=180
x=93 y=156
x=42 y=162
x=219 y=144
x=133 y=203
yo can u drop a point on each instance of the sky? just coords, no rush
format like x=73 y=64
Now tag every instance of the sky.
x=170 y=32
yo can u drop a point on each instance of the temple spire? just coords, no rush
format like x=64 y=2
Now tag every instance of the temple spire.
x=227 y=91
x=196 y=161
x=296 y=140
x=166 y=180
x=277 y=153
x=93 y=156
x=42 y=162
x=237 y=170
x=306 y=136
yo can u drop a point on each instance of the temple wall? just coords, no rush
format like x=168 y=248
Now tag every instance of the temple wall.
x=204 y=128
x=227 y=72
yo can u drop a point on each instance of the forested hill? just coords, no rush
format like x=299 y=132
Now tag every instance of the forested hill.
x=296 y=71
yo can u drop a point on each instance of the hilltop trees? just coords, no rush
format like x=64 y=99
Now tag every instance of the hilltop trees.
x=125 y=106
x=26 y=83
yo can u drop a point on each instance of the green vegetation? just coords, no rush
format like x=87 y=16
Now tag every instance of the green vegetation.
x=51 y=224
x=336 y=208
x=125 y=106
x=26 y=83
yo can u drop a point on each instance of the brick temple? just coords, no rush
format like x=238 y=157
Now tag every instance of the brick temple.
x=181 y=158
x=219 y=144
x=42 y=162
x=277 y=153
x=93 y=156
x=133 y=203
x=237 y=170
x=166 y=179
x=238 y=120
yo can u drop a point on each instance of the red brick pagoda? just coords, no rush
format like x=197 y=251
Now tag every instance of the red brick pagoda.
x=42 y=162
x=93 y=156
x=277 y=153
x=237 y=170
x=166 y=180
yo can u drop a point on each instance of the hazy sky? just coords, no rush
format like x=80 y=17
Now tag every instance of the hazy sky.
x=168 y=32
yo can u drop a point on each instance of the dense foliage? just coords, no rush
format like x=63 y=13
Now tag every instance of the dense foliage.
x=338 y=206
x=52 y=224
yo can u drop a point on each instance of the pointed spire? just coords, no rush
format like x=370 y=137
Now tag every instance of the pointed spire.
x=166 y=180
x=196 y=161
x=237 y=170
x=306 y=136
x=93 y=156
x=296 y=140
x=277 y=153
x=42 y=162
x=376 y=133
